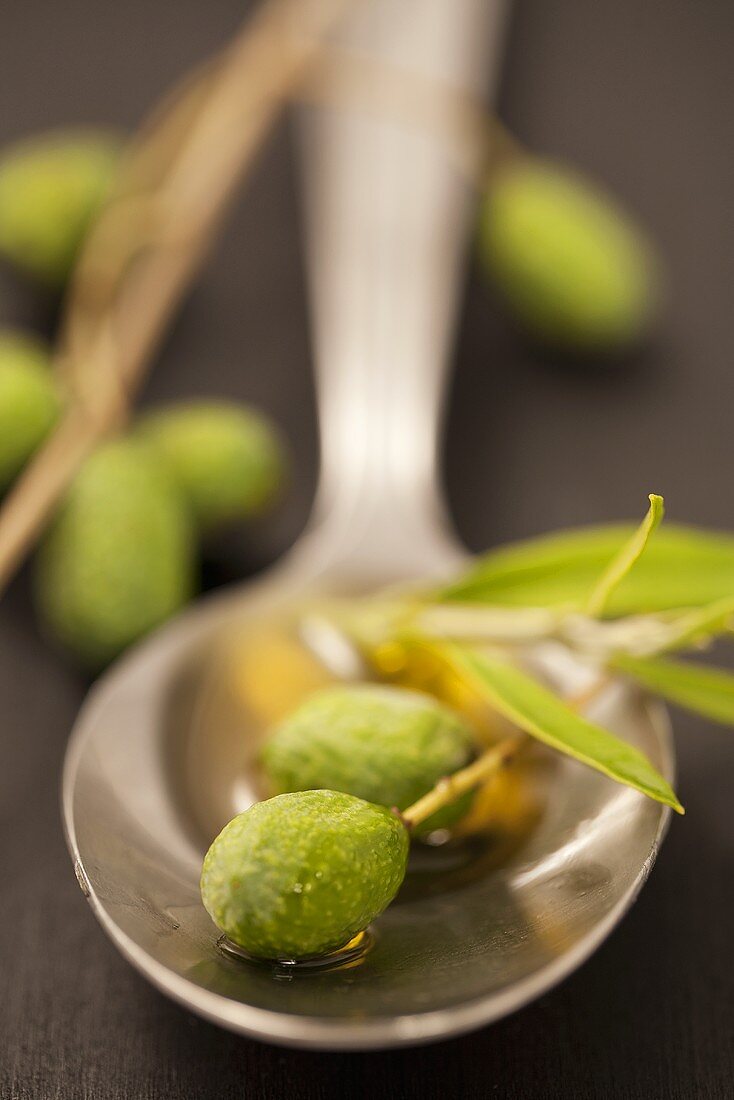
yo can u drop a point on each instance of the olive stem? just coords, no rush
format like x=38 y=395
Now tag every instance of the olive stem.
x=451 y=787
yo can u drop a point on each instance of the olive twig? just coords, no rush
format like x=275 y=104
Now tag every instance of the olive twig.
x=451 y=787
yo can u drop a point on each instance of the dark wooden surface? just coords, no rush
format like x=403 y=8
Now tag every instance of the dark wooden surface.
x=641 y=95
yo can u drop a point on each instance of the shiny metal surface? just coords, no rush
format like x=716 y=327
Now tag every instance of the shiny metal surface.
x=163 y=750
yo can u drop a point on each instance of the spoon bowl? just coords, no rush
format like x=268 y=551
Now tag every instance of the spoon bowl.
x=468 y=940
x=165 y=748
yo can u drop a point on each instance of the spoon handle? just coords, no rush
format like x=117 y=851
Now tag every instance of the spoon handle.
x=386 y=216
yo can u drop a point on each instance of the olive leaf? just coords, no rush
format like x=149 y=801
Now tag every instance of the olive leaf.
x=682 y=567
x=707 y=691
x=628 y=554
x=537 y=711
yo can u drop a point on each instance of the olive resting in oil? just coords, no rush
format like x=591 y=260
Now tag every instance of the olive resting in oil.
x=301 y=874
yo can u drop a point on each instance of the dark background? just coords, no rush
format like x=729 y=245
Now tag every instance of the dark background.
x=640 y=95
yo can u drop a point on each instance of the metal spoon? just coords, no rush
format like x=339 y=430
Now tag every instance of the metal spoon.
x=151 y=772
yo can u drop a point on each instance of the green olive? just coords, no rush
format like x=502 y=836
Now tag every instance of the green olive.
x=29 y=401
x=302 y=874
x=51 y=187
x=227 y=458
x=119 y=557
x=572 y=267
x=385 y=744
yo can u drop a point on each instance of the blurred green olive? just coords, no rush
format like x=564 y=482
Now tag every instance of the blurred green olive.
x=227 y=458
x=571 y=266
x=119 y=557
x=29 y=401
x=51 y=186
